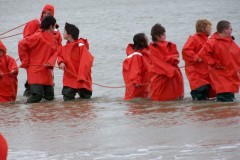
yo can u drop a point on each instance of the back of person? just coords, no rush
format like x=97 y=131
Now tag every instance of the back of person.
x=136 y=71
x=38 y=54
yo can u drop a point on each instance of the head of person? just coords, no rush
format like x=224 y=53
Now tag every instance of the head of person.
x=48 y=23
x=203 y=26
x=158 y=33
x=140 y=41
x=3 y=49
x=70 y=32
x=224 y=28
x=48 y=10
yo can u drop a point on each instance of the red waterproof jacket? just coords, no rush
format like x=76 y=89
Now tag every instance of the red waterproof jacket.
x=3 y=148
x=197 y=72
x=78 y=61
x=166 y=77
x=223 y=58
x=35 y=52
x=8 y=81
x=34 y=25
x=136 y=71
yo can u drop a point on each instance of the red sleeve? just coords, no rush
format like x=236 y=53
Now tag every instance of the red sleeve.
x=206 y=54
x=189 y=51
x=24 y=46
x=159 y=65
x=135 y=69
x=173 y=57
x=12 y=65
x=60 y=57
x=85 y=66
x=31 y=27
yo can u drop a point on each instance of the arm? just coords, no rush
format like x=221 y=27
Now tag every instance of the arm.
x=189 y=51
x=12 y=66
x=31 y=27
x=24 y=46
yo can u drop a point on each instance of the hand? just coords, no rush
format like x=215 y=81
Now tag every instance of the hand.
x=62 y=66
x=48 y=65
x=1 y=75
x=136 y=85
x=14 y=73
x=23 y=66
x=199 y=60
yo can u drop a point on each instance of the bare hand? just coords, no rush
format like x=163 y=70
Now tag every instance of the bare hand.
x=62 y=66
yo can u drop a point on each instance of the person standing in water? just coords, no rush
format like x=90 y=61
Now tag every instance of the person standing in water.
x=196 y=69
x=222 y=55
x=166 y=76
x=33 y=26
x=76 y=61
x=136 y=68
x=38 y=54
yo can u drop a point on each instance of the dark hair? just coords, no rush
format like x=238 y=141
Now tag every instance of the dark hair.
x=72 y=30
x=139 y=41
x=157 y=30
x=222 y=25
x=47 y=22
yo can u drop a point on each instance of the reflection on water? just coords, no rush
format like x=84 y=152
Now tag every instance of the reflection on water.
x=113 y=129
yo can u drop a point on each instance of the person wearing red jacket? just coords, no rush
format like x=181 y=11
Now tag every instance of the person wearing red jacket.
x=136 y=68
x=166 y=76
x=8 y=76
x=3 y=148
x=38 y=54
x=33 y=26
x=222 y=55
x=76 y=61
x=196 y=69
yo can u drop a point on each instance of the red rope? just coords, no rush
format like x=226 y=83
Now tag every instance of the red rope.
x=11 y=35
x=12 y=29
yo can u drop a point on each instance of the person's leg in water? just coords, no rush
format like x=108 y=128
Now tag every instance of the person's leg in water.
x=84 y=93
x=27 y=91
x=36 y=93
x=68 y=93
x=200 y=93
x=48 y=92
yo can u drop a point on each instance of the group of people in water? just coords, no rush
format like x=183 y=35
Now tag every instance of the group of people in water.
x=149 y=70
x=212 y=65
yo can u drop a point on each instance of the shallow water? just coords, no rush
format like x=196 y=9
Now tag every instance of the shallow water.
x=105 y=127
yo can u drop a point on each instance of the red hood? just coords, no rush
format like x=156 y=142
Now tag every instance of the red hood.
x=80 y=40
x=47 y=7
x=2 y=47
x=216 y=36
x=130 y=50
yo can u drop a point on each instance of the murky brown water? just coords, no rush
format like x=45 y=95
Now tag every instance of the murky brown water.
x=105 y=127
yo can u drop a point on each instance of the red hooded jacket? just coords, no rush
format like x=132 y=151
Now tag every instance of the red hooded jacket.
x=34 y=25
x=136 y=71
x=197 y=72
x=78 y=61
x=35 y=52
x=3 y=148
x=166 y=77
x=223 y=58
x=8 y=81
